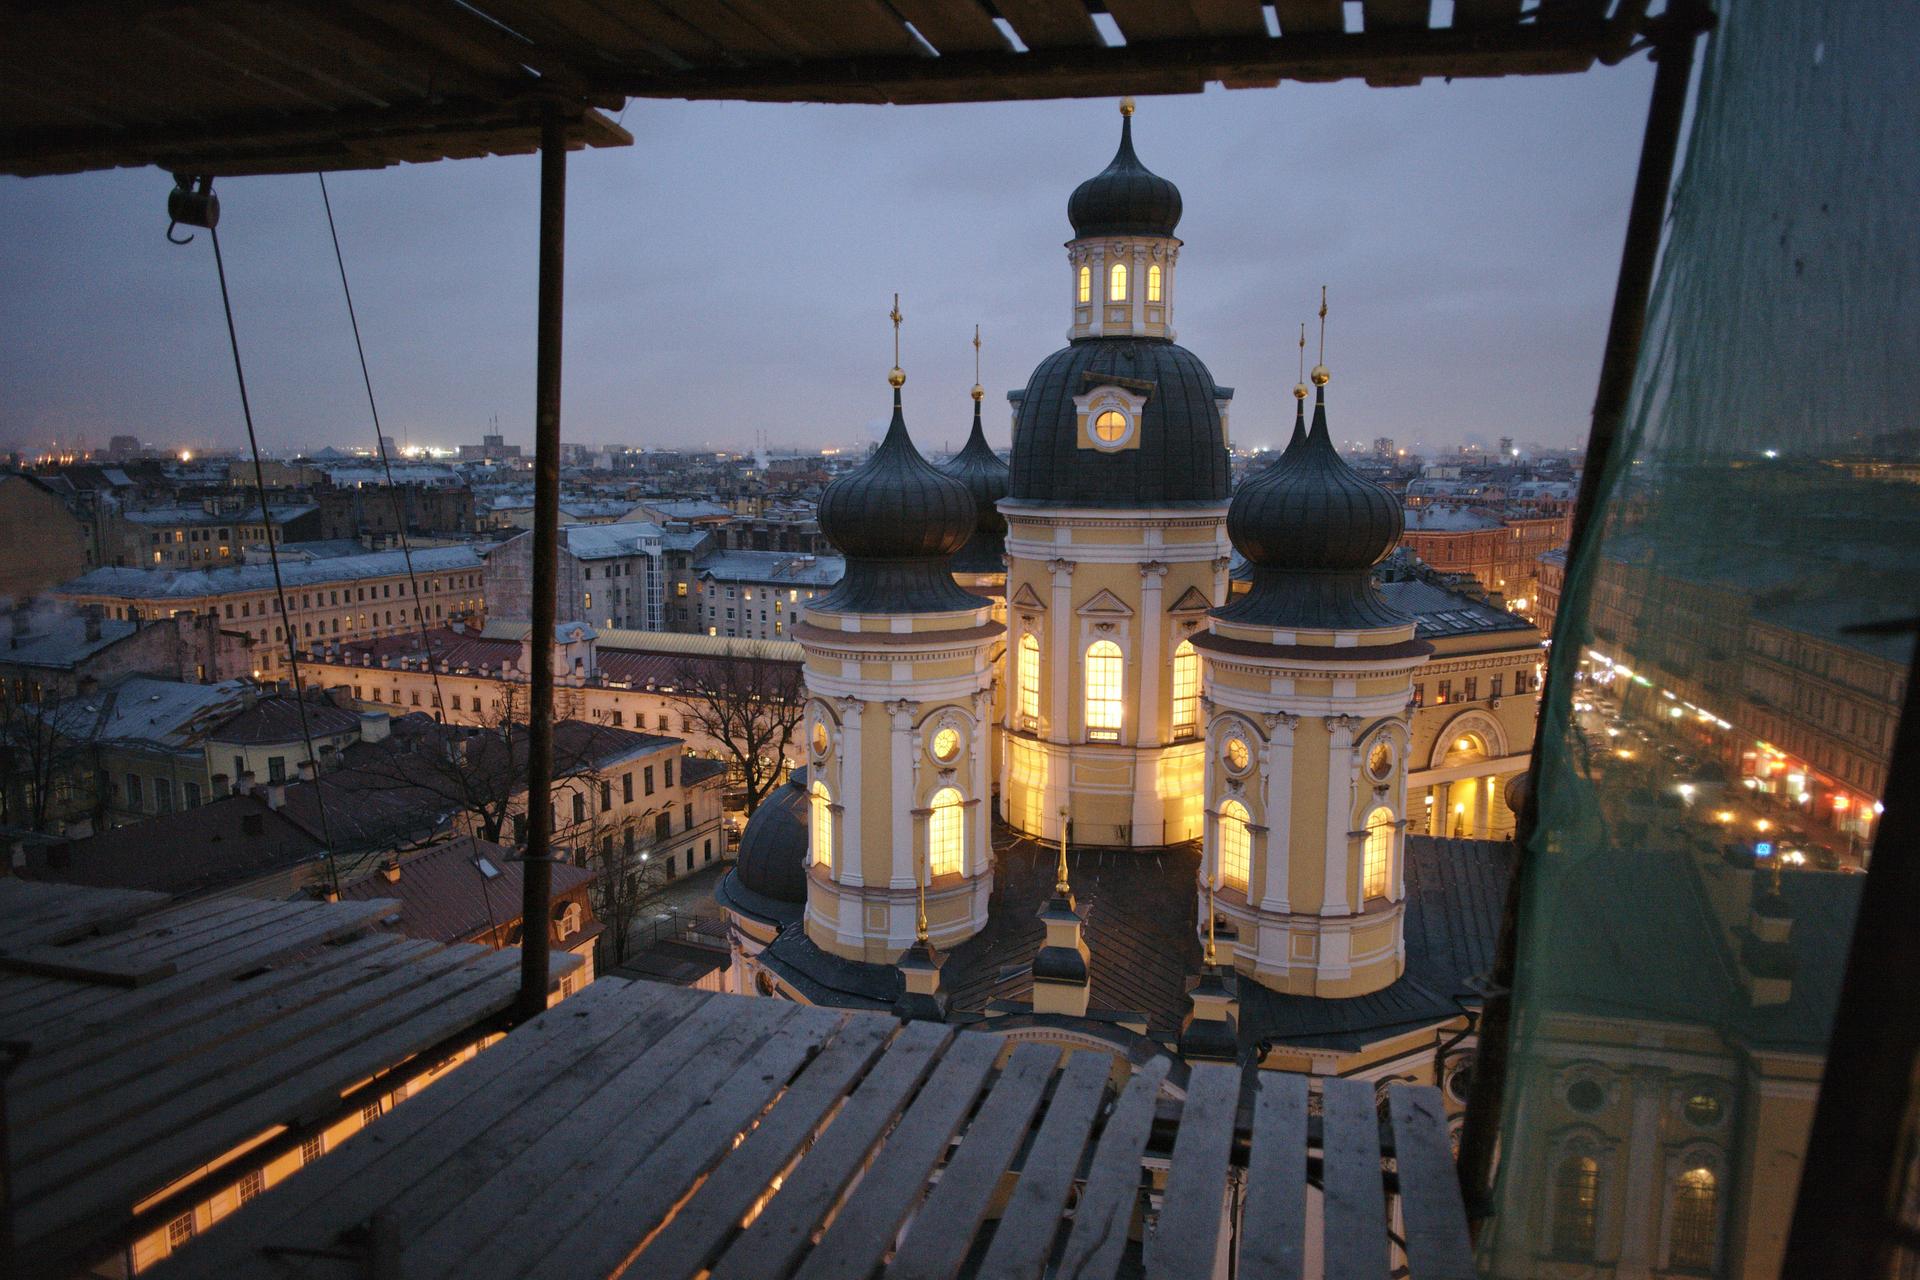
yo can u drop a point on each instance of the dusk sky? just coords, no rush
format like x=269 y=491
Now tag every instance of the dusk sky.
x=731 y=272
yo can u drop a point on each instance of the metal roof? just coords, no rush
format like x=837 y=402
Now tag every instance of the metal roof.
x=148 y=584
x=274 y=86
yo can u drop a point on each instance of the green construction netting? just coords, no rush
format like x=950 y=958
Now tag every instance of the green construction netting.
x=1715 y=738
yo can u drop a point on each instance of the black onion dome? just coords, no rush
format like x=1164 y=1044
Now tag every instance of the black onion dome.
x=979 y=468
x=1124 y=199
x=897 y=519
x=1312 y=529
x=772 y=859
x=1182 y=454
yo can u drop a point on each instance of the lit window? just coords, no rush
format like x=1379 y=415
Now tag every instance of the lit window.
x=1379 y=853
x=1186 y=688
x=1694 y=1210
x=946 y=834
x=1238 y=755
x=1103 y=675
x=822 y=834
x=1153 y=283
x=1576 y=1200
x=1110 y=427
x=1030 y=678
x=1086 y=284
x=820 y=737
x=946 y=744
x=1117 y=283
x=1236 y=845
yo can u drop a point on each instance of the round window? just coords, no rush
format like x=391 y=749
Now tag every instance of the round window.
x=1460 y=1082
x=1238 y=756
x=946 y=744
x=1586 y=1096
x=1110 y=427
x=1703 y=1109
x=819 y=737
x=1380 y=761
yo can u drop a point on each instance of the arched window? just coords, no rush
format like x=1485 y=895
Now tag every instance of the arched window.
x=1117 y=283
x=1576 y=1203
x=946 y=834
x=1236 y=845
x=1103 y=691
x=822 y=824
x=1086 y=284
x=1153 y=283
x=1695 y=1206
x=1030 y=678
x=1376 y=870
x=1186 y=689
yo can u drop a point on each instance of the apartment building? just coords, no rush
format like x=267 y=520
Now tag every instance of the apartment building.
x=630 y=576
x=759 y=595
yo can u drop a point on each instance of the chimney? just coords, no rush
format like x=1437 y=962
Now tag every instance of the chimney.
x=375 y=726
x=276 y=793
x=220 y=788
x=243 y=785
x=1766 y=951
x=308 y=771
x=91 y=615
x=80 y=828
x=390 y=870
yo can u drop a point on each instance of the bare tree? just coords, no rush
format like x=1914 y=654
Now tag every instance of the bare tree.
x=627 y=879
x=750 y=705
x=38 y=760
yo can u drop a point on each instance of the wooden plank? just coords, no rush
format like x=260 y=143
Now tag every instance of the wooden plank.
x=482 y=1213
x=1395 y=15
x=109 y=971
x=36 y=913
x=1485 y=13
x=625 y=1211
x=430 y=1128
x=954 y=26
x=942 y=1231
x=1024 y=1238
x=1229 y=17
x=1437 y=1244
x=1187 y=1237
x=1101 y=1219
x=770 y=1246
x=868 y=1220
x=1143 y=20
x=686 y=1245
x=1355 y=1197
x=1310 y=17
x=1273 y=1216
x=1050 y=24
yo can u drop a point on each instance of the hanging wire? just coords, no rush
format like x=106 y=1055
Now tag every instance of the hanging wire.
x=273 y=556
x=386 y=463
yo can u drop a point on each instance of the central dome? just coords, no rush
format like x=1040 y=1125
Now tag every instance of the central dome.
x=1124 y=199
x=1181 y=455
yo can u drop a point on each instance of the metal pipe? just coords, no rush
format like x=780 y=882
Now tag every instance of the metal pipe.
x=537 y=869
x=1673 y=62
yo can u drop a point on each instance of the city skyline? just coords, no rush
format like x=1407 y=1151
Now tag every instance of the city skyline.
x=1467 y=305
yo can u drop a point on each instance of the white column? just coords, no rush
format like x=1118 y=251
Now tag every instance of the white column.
x=1641 y=1189
x=1339 y=819
x=901 y=740
x=1274 y=894
x=847 y=864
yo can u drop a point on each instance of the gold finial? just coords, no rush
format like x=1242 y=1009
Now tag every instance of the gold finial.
x=1320 y=375
x=1210 y=960
x=1300 y=387
x=1126 y=106
x=920 y=884
x=979 y=392
x=896 y=376
x=1061 y=887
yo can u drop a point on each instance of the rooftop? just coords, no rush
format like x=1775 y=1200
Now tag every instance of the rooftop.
x=782 y=568
x=61 y=641
x=461 y=890
x=193 y=584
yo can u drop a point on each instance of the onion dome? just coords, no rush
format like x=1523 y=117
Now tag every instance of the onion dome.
x=1312 y=529
x=1126 y=198
x=979 y=468
x=897 y=519
x=770 y=872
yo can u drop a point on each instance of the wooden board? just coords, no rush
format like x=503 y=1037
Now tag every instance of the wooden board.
x=1273 y=1231
x=1187 y=1236
x=1435 y=1221
x=1101 y=1218
x=1023 y=1240
x=1354 y=1204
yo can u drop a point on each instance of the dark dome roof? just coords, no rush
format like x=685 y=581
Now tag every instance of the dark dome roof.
x=772 y=860
x=1312 y=529
x=1182 y=455
x=898 y=519
x=1125 y=198
x=979 y=468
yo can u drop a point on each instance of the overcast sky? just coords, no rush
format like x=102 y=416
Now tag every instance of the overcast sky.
x=731 y=272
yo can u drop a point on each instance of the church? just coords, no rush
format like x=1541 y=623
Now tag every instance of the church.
x=1064 y=780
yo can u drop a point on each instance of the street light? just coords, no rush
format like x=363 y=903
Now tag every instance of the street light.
x=1686 y=792
x=1763 y=825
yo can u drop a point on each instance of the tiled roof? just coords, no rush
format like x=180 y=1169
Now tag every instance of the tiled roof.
x=446 y=894
x=215 y=846
x=277 y=719
x=167 y=584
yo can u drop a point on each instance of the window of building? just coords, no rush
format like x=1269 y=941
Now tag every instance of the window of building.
x=1086 y=284
x=191 y=790
x=646 y=779
x=135 y=798
x=666 y=770
x=1186 y=687
x=821 y=834
x=1576 y=1201
x=313 y=1148
x=946 y=834
x=252 y=1183
x=1104 y=677
x=626 y=788
x=579 y=806
x=1695 y=1205
x=946 y=744
x=1236 y=845
x=1030 y=679
x=180 y=1230
x=663 y=824
x=1117 y=282
x=277 y=765
x=1153 y=283
x=1377 y=865
x=1110 y=427
x=1493 y=687
x=1473 y=688
x=606 y=794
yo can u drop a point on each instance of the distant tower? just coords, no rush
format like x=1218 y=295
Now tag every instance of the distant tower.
x=1309 y=687
x=897 y=724
x=1116 y=543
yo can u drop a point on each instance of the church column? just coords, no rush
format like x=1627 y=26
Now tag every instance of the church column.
x=848 y=865
x=900 y=875
x=1060 y=635
x=1339 y=818
x=1222 y=588
x=1152 y=576
x=1275 y=891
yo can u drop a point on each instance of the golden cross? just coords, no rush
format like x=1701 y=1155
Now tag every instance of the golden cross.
x=896 y=317
x=1323 y=325
x=976 y=353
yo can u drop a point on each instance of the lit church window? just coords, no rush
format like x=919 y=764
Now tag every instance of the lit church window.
x=1086 y=284
x=1153 y=284
x=1110 y=426
x=1103 y=691
x=1379 y=855
x=1576 y=1200
x=1186 y=689
x=822 y=834
x=946 y=744
x=946 y=834
x=1030 y=678
x=1236 y=845
x=1694 y=1210
x=1117 y=283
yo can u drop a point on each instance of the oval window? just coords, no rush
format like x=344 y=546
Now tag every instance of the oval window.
x=1380 y=761
x=946 y=744
x=819 y=737
x=1110 y=427
x=1703 y=1109
x=1238 y=756
x=1586 y=1096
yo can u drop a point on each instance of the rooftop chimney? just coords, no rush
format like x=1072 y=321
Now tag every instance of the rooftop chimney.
x=375 y=726
x=276 y=793
x=91 y=615
x=308 y=771
x=243 y=785
x=390 y=870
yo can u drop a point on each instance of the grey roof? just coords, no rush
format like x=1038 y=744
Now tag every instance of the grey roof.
x=168 y=584
x=62 y=642
x=1182 y=453
x=609 y=541
x=152 y=712
x=200 y=515
x=1447 y=520
x=786 y=568
x=1437 y=611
